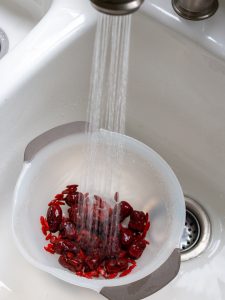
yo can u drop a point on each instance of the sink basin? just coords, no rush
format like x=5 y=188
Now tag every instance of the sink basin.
x=175 y=105
x=17 y=18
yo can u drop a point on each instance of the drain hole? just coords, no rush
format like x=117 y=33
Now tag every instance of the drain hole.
x=197 y=231
x=190 y=238
x=4 y=43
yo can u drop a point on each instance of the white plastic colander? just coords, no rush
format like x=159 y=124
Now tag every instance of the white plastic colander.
x=56 y=159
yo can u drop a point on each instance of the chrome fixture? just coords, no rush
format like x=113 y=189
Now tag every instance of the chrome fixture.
x=4 y=43
x=195 y=9
x=197 y=230
x=117 y=7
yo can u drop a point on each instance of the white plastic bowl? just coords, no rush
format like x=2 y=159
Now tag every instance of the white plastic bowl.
x=56 y=159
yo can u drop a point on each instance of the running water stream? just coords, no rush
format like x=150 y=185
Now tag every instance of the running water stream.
x=106 y=110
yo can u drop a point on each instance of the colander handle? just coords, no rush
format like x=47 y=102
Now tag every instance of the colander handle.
x=52 y=135
x=149 y=285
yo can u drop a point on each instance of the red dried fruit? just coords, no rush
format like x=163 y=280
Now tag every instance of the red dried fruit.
x=93 y=249
x=125 y=210
x=49 y=248
x=79 y=197
x=55 y=201
x=81 y=255
x=98 y=201
x=126 y=272
x=52 y=202
x=137 y=248
x=68 y=230
x=44 y=230
x=122 y=263
x=54 y=239
x=54 y=217
x=65 y=192
x=70 y=246
x=63 y=261
x=42 y=220
x=88 y=241
x=137 y=236
x=45 y=226
x=101 y=270
x=126 y=237
x=70 y=200
x=113 y=247
x=93 y=274
x=146 y=230
x=87 y=275
x=116 y=265
x=101 y=211
x=74 y=198
x=59 y=196
x=48 y=237
x=92 y=262
x=111 y=276
x=74 y=265
x=58 y=247
x=60 y=202
x=75 y=216
x=122 y=254
x=111 y=266
x=137 y=221
x=70 y=255
x=97 y=253
x=72 y=186
x=116 y=196
x=102 y=229
x=66 y=246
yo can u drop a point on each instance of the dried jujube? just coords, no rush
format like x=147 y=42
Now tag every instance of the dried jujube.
x=68 y=230
x=54 y=217
x=126 y=236
x=137 y=248
x=137 y=221
x=103 y=247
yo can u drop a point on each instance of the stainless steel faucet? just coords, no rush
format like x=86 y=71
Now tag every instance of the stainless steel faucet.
x=117 y=7
x=188 y=9
x=195 y=9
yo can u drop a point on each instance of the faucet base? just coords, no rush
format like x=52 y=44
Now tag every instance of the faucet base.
x=196 y=11
x=117 y=7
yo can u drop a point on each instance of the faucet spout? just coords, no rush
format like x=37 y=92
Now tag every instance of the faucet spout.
x=195 y=9
x=117 y=7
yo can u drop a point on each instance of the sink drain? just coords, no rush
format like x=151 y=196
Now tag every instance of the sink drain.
x=4 y=43
x=191 y=232
x=197 y=230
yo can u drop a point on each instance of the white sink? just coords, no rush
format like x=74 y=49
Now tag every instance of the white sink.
x=176 y=105
x=18 y=17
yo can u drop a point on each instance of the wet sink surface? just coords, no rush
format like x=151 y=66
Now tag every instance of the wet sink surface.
x=175 y=105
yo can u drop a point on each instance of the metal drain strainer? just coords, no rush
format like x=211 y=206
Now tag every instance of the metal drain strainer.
x=191 y=232
x=4 y=43
x=197 y=230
